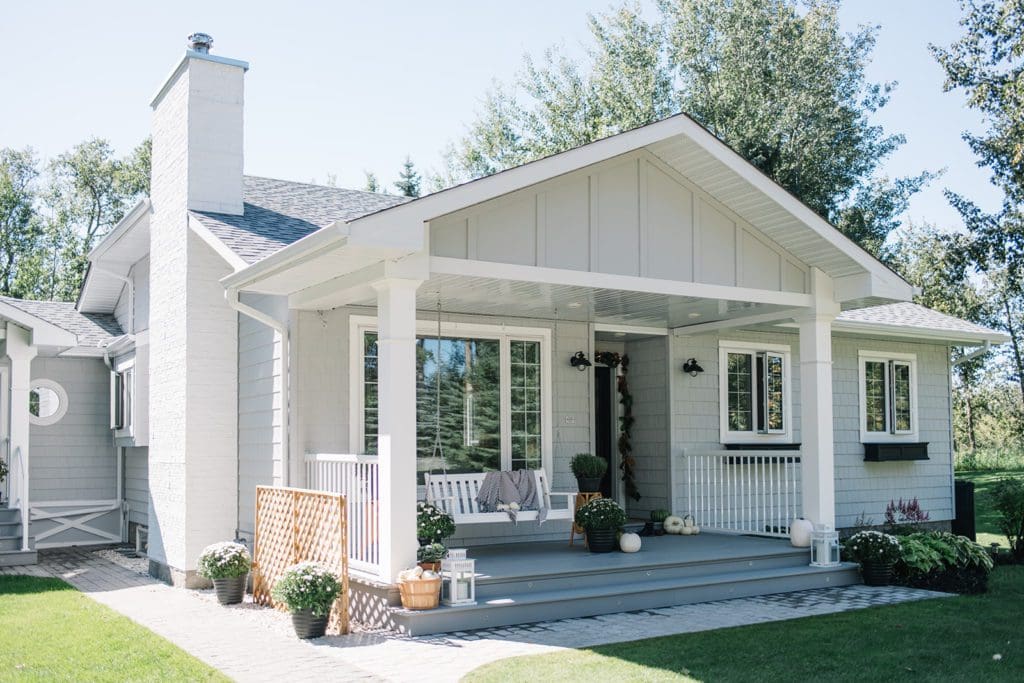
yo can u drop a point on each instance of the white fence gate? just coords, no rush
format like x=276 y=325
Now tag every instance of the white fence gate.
x=356 y=478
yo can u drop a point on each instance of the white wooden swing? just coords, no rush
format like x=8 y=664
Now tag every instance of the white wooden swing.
x=456 y=493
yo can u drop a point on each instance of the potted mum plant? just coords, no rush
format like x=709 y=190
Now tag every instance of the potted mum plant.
x=601 y=519
x=876 y=552
x=308 y=590
x=429 y=556
x=433 y=524
x=588 y=470
x=227 y=564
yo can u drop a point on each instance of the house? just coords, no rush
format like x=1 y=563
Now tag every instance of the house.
x=234 y=331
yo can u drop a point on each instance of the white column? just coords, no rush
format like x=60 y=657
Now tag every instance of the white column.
x=21 y=352
x=396 y=435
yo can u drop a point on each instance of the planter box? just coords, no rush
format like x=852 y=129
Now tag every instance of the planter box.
x=890 y=452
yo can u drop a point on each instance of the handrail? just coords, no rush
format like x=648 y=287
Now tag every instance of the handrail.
x=341 y=457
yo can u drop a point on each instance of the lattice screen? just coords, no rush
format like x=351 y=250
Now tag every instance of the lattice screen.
x=294 y=525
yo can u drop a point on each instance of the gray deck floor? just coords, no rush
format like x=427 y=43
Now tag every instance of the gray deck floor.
x=557 y=557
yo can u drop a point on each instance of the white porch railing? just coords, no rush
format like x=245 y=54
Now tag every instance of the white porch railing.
x=744 y=492
x=356 y=478
x=17 y=478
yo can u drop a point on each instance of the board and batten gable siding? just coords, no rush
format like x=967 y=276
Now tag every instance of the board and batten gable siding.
x=862 y=488
x=648 y=383
x=260 y=407
x=323 y=412
x=139 y=275
x=74 y=458
x=632 y=215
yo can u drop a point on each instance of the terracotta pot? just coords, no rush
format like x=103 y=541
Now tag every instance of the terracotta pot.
x=307 y=625
x=230 y=590
x=877 y=573
x=430 y=566
x=601 y=540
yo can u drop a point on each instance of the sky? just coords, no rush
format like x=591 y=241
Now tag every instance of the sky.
x=339 y=88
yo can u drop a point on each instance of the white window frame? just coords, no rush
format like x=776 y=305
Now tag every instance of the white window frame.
x=504 y=334
x=889 y=435
x=62 y=402
x=125 y=367
x=784 y=435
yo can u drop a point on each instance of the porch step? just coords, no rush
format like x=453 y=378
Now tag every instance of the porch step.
x=17 y=558
x=9 y=515
x=621 y=596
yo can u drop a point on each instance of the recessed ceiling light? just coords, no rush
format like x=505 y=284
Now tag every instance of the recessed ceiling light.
x=620 y=334
x=575 y=304
x=693 y=315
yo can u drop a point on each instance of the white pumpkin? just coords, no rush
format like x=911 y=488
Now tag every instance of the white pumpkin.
x=673 y=524
x=695 y=530
x=629 y=543
x=686 y=531
x=800 y=533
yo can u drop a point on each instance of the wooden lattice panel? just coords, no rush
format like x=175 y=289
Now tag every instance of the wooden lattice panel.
x=295 y=525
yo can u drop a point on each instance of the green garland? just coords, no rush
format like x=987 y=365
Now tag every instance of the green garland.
x=626 y=420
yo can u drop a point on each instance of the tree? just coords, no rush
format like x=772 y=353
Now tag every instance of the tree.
x=371 y=185
x=20 y=229
x=987 y=63
x=777 y=80
x=408 y=182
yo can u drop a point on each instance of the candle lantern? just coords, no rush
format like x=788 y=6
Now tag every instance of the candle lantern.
x=824 y=546
x=458 y=578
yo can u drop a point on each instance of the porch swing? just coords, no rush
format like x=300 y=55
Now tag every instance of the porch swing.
x=456 y=493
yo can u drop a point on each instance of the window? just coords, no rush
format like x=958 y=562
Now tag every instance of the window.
x=888 y=395
x=122 y=398
x=47 y=402
x=493 y=414
x=755 y=392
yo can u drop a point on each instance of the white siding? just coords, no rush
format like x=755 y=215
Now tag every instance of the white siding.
x=136 y=485
x=74 y=458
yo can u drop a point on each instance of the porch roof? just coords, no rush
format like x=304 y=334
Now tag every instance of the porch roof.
x=59 y=324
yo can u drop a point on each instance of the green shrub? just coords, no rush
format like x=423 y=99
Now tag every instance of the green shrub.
x=939 y=560
x=307 y=585
x=224 y=561
x=587 y=466
x=599 y=514
x=1008 y=495
x=433 y=552
x=432 y=523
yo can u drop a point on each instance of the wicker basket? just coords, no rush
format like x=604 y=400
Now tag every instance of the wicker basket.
x=421 y=593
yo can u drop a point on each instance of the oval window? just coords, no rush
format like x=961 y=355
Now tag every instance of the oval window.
x=47 y=402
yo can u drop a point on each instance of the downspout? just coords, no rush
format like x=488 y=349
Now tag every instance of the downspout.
x=119 y=453
x=973 y=354
x=231 y=295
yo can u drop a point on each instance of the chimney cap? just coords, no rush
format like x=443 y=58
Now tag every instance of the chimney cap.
x=200 y=42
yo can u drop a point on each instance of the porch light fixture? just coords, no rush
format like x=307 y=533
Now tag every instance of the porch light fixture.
x=458 y=578
x=692 y=367
x=579 y=361
x=824 y=546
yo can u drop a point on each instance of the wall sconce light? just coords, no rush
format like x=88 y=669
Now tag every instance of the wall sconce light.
x=692 y=367
x=579 y=361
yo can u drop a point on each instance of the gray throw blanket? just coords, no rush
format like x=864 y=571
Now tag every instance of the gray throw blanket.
x=500 y=490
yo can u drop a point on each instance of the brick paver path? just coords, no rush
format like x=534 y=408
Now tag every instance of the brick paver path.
x=249 y=643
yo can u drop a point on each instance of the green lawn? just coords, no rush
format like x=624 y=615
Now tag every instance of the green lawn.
x=986 y=519
x=52 y=632
x=949 y=639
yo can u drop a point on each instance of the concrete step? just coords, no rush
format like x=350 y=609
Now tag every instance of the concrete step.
x=544 y=579
x=17 y=558
x=621 y=597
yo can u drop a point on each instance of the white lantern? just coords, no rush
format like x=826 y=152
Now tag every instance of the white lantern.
x=458 y=578
x=824 y=547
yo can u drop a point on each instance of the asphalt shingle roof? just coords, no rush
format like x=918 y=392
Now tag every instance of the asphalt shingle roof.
x=91 y=329
x=907 y=314
x=279 y=212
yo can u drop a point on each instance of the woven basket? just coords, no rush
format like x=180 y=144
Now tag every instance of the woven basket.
x=421 y=593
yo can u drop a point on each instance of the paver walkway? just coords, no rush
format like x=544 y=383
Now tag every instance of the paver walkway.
x=250 y=643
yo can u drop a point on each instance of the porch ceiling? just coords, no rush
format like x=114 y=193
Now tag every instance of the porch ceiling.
x=460 y=294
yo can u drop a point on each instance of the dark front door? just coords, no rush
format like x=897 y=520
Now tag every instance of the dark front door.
x=604 y=423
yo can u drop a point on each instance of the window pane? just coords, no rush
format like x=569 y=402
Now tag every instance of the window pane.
x=874 y=395
x=526 y=416
x=470 y=403
x=773 y=379
x=370 y=393
x=738 y=377
x=901 y=397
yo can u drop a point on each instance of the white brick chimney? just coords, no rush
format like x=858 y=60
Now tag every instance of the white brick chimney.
x=193 y=450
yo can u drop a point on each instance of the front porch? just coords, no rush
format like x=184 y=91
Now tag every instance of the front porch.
x=520 y=583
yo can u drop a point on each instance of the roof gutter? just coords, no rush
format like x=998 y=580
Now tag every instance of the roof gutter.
x=305 y=249
x=231 y=296
x=974 y=354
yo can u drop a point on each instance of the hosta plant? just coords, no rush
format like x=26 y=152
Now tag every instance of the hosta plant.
x=224 y=560
x=872 y=547
x=307 y=586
